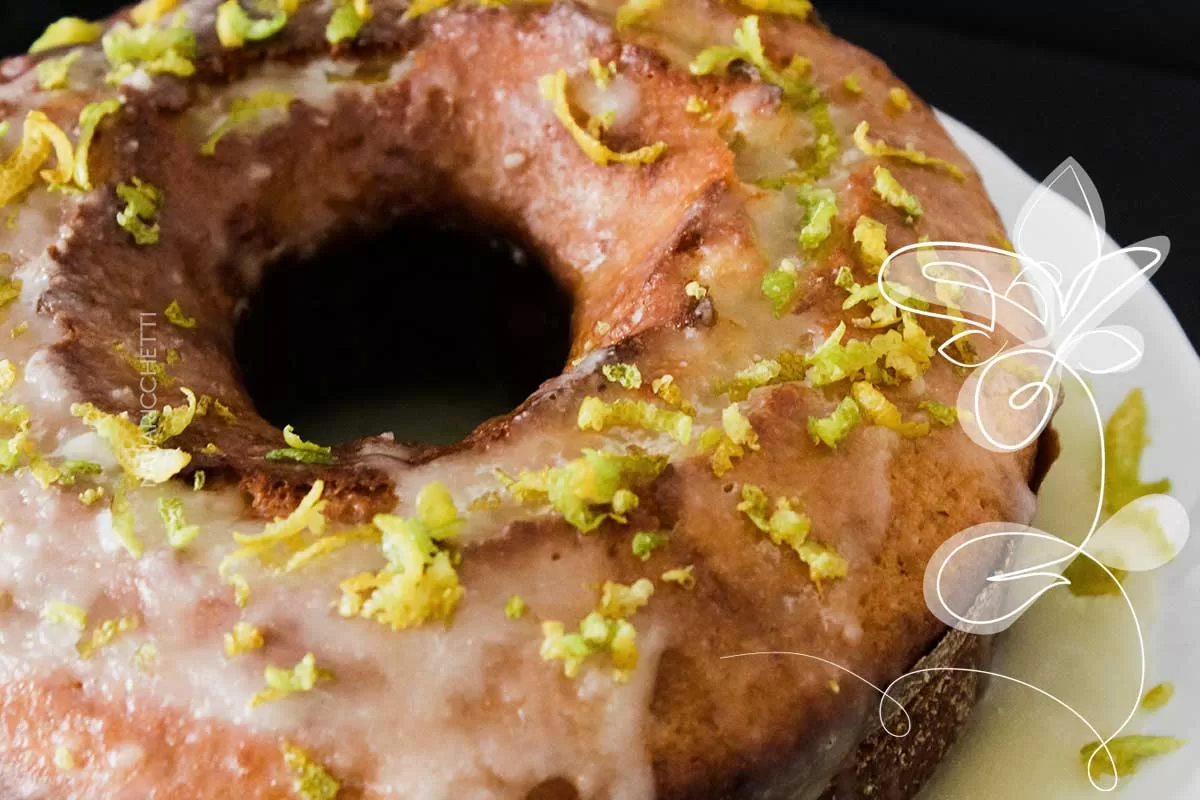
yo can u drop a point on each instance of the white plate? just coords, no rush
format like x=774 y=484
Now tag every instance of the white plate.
x=1020 y=745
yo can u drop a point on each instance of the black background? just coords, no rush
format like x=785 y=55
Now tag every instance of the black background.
x=1114 y=84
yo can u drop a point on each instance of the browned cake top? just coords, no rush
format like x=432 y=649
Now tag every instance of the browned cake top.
x=719 y=449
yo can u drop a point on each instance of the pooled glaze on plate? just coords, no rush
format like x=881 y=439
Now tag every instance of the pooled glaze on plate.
x=1081 y=649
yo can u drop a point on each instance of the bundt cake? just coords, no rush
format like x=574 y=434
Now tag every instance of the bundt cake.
x=749 y=451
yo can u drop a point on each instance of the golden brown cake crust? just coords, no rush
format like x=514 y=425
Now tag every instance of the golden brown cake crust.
x=438 y=138
x=202 y=761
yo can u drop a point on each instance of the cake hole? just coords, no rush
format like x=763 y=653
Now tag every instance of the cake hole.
x=422 y=331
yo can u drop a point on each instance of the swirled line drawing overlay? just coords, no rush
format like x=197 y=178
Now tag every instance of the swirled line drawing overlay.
x=1023 y=320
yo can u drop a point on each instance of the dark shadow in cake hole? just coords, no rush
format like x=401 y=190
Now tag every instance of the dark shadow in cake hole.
x=420 y=330
x=554 y=789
